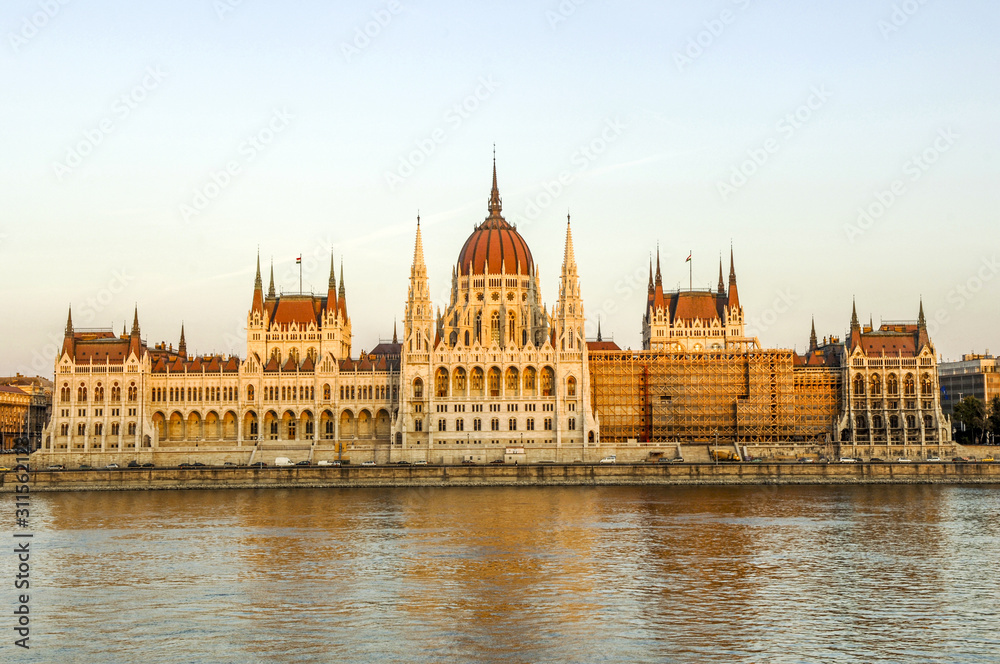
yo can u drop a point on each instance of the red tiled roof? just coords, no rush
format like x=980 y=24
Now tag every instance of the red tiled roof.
x=496 y=243
x=695 y=305
x=296 y=309
x=602 y=345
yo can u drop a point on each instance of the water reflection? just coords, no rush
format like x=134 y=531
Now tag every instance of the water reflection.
x=550 y=574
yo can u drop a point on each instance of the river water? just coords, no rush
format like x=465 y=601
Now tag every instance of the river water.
x=629 y=574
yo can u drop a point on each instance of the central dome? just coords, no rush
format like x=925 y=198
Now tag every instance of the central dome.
x=495 y=246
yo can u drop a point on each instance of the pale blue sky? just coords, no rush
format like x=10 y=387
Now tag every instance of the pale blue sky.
x=110 y=229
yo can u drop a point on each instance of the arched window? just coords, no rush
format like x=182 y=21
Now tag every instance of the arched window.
x=928 y=422
x=571 y=387
x=495 y=327
x=860 y=422
x=326 y=392
x=116 y=393
x=511 y=328
x=926 y=385
x=479 y=328
x=493 y=379
x=513 y=382
x=859 y=385
x=458 y=382
x=548 y=382
x=64 y=392
x=530 y=381
x=99 y=393
x=466 y=337
x=894 y=421
x=892 y=385
x=876 y=421
x=909 y=387
x=133 y=392
x=418 y=388
x=876 y=385
x=249 y=392
x=441 y=382
x=477 y=382
x=81 y=393
x=911 y=421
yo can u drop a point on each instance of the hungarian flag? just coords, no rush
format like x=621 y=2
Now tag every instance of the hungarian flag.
x=688 y=259
x=298 y=261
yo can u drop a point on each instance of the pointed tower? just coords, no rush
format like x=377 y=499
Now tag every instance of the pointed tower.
x=923 y=339
x=569 y=308
x=270 y=288
x=69 y=340
x=342 y=294
x=418 y=319
x=658 y=301
x=599 y=330
x=182 y=345
x=395 y=339
x=722 y=286
x=332 y=304
x=134 y=342
x=734 y=296
x=495 y=205
x=813 y=344
x=257 y=306
x=855 y=326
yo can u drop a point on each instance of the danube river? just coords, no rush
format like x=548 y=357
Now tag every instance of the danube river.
x=636 y=574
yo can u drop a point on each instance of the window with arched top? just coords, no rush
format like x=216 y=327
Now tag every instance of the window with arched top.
x=909 y=386
x=495 y=327
x=477 y=382
x=512 y=383
x=892 y=385
x=493 y=380
x=571 y=386
x=926 y=385
x=441 y=382
x=249 y=392
x=859 y=385
x=459 y=382
x=548 y=382
x=99 y=392
x=530 y=381
x=876 y=421
x=860 y=422
x=511 y=328
x=81 y=393
x=928 y=422
x=875 y=383
x=418 y=388
x=911 y=421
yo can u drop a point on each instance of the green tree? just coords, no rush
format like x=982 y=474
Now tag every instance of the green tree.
x=993 y=421
x=971 y=412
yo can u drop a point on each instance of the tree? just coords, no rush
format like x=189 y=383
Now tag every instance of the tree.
x=993 y=421
x=971 y=412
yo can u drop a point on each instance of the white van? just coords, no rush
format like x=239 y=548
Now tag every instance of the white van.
x=283 y=461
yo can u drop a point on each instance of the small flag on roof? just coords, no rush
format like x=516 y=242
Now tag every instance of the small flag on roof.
x=688 y=259
x=298 y=261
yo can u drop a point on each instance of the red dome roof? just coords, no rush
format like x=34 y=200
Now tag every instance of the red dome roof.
x=495 y=243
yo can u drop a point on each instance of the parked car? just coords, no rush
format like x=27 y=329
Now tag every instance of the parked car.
x=84 y=466
x=133 y=464
x=304 y=462
x=609 y=459
x=57 y=466
x=498 y=461
x=258 y=464
x=848 y=460
x=934 y=458
x=876 y=460
x=960 y=459
x=367 y=463
x=148 y=465
x=402 y=462
x=420 y=462
x=326 y=462
x=228 y=463
x=112 y=465
x=903 y=460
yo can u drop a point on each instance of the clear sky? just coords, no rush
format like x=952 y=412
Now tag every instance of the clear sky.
x=843 y=149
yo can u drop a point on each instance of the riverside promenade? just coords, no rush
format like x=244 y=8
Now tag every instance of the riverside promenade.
x=575 y=474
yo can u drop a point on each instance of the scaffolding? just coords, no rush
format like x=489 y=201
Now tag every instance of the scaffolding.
x=745 y=396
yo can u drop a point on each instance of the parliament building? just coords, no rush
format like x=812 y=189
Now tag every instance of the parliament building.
x=497 y=375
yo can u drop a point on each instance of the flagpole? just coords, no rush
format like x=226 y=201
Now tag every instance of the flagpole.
x=690 y=270
x=300 y=274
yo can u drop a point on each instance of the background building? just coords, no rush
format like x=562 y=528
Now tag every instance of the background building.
x=973 y=375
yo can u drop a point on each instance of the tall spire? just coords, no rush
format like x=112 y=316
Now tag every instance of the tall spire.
x=258 y=291
x=813 y=345
x=331 y=289
x=855 y=325
x=182 y=346
x=722 y=286
x=569 y=256
x=734 y=295
x=395 y=339
x=923 y=339
x=418 y=246
x=920 y=317
x=257 y=282
x=134 y=341
x=135 y=321
x=495 y=203
x=650 y=287
x=598 y=329
x=270 y=288
x=69 y=322
x=659 y=278
x=69 y=342
x=342 y=294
